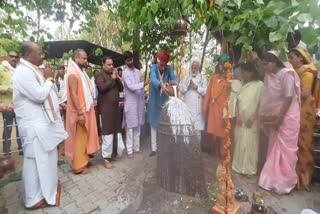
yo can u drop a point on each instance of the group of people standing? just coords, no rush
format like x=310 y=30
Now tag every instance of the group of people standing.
x=278 y=110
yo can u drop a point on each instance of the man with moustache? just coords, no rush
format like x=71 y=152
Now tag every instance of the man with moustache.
x=40 y=125
x=194 y=88
x=161 y=74
x=7 y=69
x=133 y=104
x=109 y=86
x=83 y=141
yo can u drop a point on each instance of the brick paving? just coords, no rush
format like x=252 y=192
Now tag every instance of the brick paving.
x=102 y=191
x=131 y=188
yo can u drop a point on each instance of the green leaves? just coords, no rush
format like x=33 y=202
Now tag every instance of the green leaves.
x=275 y=36
x=271 y=22
x=304 y=17
x=294 y=3
x=143 y=12
x=235 y=27
x=237 y=2
x=98 y=52
x=309 y=35
x=219 y=2
x=260 y=2
x=262 y=24
x=154 y=6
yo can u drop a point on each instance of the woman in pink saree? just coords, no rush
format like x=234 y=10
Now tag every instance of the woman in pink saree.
x=280 y=116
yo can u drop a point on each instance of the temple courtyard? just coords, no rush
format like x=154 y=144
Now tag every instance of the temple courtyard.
x=131 y=188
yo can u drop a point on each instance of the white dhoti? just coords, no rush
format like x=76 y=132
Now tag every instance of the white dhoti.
x=133 y=139
x=41 y=129
x=153 y=139
x=107 y=144
x=40 y=174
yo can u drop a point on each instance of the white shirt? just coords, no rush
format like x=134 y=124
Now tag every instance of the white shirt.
x=194 y=98
x=28 y=98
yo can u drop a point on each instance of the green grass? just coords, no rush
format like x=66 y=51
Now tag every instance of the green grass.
x=13 y=177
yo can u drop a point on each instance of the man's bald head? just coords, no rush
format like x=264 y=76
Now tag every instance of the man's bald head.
x=28 y=47
x=33 y=53
x=81 y=58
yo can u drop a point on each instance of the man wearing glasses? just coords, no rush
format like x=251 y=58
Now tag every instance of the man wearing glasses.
x=6 y=71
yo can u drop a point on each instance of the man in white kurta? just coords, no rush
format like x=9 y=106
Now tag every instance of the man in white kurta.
x=194 y=87
x=40 y=126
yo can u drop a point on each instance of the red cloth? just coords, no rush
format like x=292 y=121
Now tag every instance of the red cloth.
x=163 y=56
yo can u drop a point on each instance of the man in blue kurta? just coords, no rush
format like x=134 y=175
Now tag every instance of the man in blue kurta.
x=160 y=74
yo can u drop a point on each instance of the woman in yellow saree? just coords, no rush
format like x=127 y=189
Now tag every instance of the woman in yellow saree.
x=245 y=157
x=302 y=63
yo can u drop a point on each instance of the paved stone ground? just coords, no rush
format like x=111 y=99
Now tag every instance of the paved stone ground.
x=131 y=188
x=102 y=191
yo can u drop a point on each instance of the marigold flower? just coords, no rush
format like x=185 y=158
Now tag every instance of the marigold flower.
x=228 y=65
x=211 y=3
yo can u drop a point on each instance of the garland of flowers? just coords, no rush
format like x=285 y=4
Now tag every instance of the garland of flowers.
x=6 y=108
x=181 y=56
x=210 y=9
x=63 y=106
x=228 y=141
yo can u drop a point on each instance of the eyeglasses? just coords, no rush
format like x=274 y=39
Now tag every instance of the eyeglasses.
x=12 y=56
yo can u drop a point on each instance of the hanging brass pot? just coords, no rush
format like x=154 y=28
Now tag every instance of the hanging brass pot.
x=180 y=28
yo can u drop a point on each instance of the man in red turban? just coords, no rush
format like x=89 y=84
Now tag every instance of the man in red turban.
x=163 y=57
x=160 y=74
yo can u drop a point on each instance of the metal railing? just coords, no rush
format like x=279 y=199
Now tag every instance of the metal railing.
x=11 y=139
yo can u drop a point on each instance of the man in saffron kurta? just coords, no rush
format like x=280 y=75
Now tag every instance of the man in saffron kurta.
x=133 y=104
x=214 y=104
x=160 y=74
x=41 y=128
x=81 y=122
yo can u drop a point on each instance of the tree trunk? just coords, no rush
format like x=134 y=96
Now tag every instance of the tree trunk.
x=136 y=54
x=206 y=41
x=147 y=62
x=190 y=43
x=38 y=27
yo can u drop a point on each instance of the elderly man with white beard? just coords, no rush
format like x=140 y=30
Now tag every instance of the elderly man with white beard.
x=194 y=87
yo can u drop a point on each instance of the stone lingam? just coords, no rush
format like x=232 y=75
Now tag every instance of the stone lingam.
x=179 y=154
